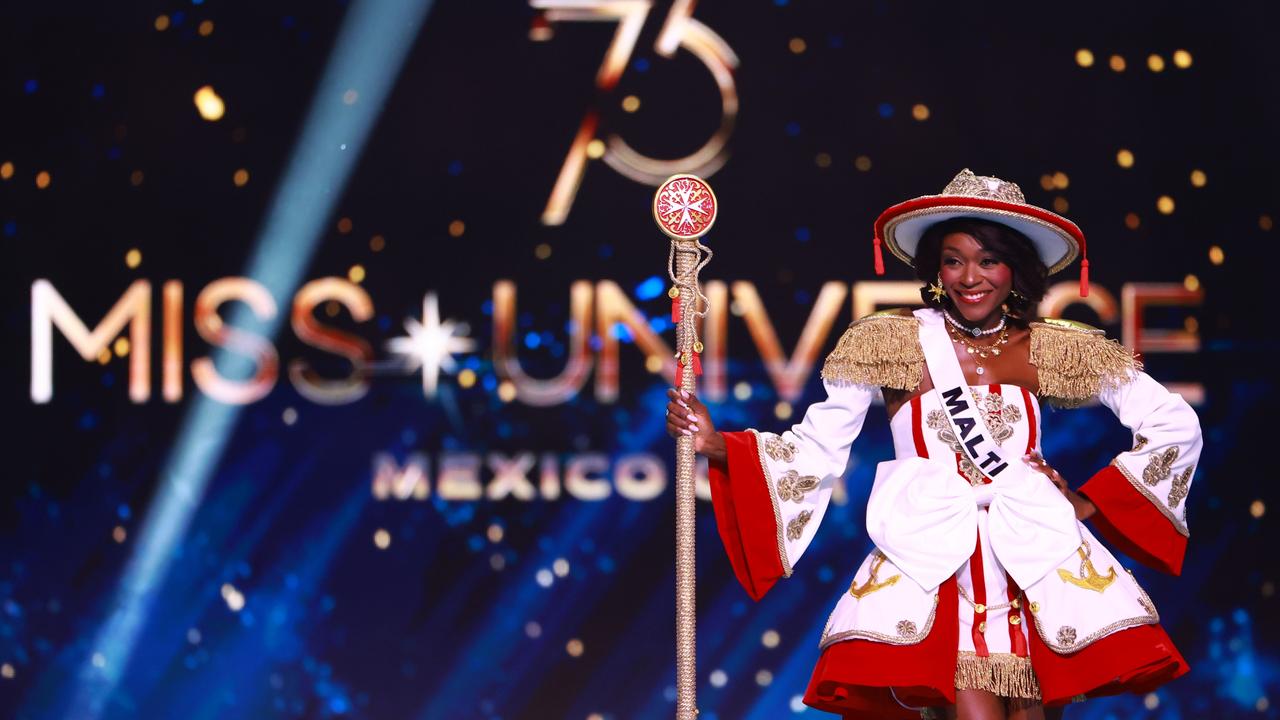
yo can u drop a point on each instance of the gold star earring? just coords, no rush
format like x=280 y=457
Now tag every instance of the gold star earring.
x=937 y=290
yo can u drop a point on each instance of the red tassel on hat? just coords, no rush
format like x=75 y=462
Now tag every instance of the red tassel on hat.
x=697 y=364
x=675 y=309
x=1084 y=278
x=879 y=256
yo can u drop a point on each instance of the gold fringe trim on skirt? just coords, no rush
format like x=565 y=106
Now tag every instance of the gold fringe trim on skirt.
x=1003 y=674
x=880 y=350
x=1073 y=364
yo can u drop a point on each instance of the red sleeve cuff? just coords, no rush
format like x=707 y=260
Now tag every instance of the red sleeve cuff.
x=744 y=515
x=1131 y=522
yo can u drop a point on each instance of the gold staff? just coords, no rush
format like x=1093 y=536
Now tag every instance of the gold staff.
x=685 y=208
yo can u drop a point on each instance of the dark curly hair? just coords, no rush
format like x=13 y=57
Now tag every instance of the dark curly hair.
x=1030 y=276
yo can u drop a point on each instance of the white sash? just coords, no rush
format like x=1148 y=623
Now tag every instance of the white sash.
x=953 y=394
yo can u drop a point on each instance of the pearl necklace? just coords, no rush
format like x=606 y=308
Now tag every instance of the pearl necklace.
x=981 y=352
x=976 y=332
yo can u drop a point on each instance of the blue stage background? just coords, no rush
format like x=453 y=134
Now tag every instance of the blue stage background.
x=290 y=589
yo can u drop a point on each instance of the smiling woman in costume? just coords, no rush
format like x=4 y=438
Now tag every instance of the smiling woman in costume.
x=985 y=596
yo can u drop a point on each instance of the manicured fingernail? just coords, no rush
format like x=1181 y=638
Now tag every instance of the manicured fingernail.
x=682 y=404
x=685 y=431
x=693 y=428
x=693 y=418
x=684 y=394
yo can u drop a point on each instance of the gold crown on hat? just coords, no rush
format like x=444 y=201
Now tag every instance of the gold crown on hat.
x=984 y=186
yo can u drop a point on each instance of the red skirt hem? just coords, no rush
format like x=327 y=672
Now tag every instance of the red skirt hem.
x=866 y=679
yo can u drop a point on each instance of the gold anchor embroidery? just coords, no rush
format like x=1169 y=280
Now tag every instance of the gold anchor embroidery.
x=872 y=584
x=1089 y=578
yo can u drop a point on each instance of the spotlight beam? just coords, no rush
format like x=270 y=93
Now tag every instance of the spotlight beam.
x=366 y=58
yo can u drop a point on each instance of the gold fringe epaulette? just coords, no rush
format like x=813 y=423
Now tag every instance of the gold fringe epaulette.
x=881 y=349
x=1074 y=362
x=1005 y=675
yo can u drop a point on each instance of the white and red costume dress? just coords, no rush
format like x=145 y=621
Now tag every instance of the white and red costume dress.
x=973 y=583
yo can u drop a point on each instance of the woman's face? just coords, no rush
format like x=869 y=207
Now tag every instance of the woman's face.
x=975 y=279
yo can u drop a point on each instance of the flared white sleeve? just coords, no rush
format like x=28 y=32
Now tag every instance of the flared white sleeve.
x=1141 y=496
x=771 y=491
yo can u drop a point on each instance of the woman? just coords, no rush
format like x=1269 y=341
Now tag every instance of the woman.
x=985 y=595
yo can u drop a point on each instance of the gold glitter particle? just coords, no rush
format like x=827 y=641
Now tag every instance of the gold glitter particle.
x=344 y=225
x=377 y=243
x=574 y=648
x=6 y=171
x=1198 y=178
x=135 y=178
x=920 y=112
x=494 y=533
x=1060 y=205
x=862 y=163
x=119 y=534
x=356 y=274
x=1191 y=283
x=133 y=258
x=631 y=103
x=121 y=347
x=1265 y=222
x=332 y=308
x=1151 y=701
x=742 y=390
x=1132 y=221
x=506 y=391
x=7 y=671
x=1165 y=205
x=209 y=104
x=797 y=45
x=653 y=363
x=1216 y=256
x=240 y=178
x=104 y=356
x=1182 y=59
x=1117 y=63
x=43 y=179
x=162 y=22
x=782 y=410
x=467 y=378
x=595 y=149
x=1257 y=508
x=770 y=639
x=1084 y=57
x=382 y=539
x=1124 y=158
x=542 y=251
x=822 y=160
x=1191 y=324
x=1155 y=63
x=206 y=28
x=1061 y=181
x=1046 y=181
x=457 y=228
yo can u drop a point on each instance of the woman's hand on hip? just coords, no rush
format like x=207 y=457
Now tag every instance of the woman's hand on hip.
x=1084 y=507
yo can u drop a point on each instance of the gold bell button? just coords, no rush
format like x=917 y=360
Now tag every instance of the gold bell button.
x=697 y=346
x=1015 y=620
x=1015 y=604
x=979 y=608
x=674 y=292
x=982 y=626
x=1035 y=606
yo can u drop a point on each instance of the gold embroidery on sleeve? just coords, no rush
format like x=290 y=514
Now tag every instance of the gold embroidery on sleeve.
x=906 y=628
x=1139 y=441
x=1181 y=483
x=795 y=528
x=1159 y=465
x=873 y=582
x=778 y=449
x=794 y=486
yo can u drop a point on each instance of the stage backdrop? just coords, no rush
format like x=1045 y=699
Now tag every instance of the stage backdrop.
x=337 y=332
